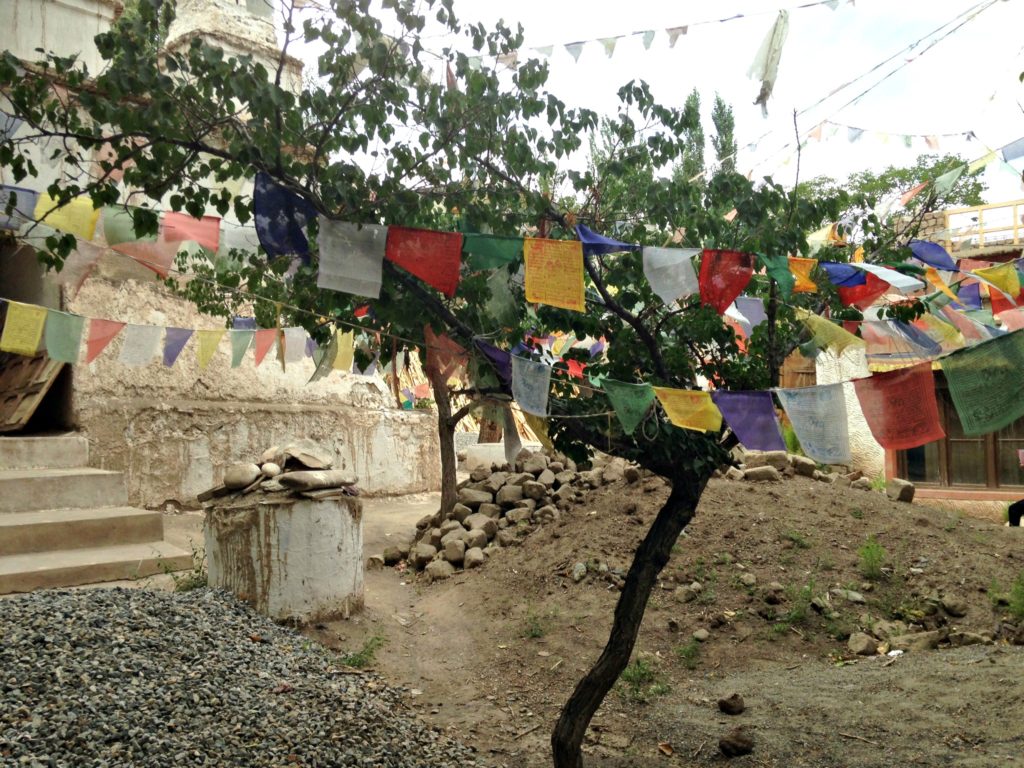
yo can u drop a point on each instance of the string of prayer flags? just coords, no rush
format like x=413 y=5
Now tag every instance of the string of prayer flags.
x=175 y=341
x=554 y=272
x=433 y=257
x=22 y=203
x=689 y=408
x=180 y=227
x=140 y=344
x=490 y=251
x=265 y=339
x=531 y=383
x=986 y=384
x=723 y=276
x=64 y=336
x=595 y=244
x=777 y=267
x=670 y=272
x=972 y=330
x=932 y=254
x=818 y=416
x=443 y=355
x=351 y=257
x=208 y=342
x=294 y=341
x=1002 y=276
x=901 y=282
x=802 y=269
x=241 y=339
x=751 y=416
x=101 y=333
x=281 y=218
x=765 y=66
x=631 y=402
x=23 y=328
x=827 y=334
x=152 y=252
x=900 y=407
x=77 y=217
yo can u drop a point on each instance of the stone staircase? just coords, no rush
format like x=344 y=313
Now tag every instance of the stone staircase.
x=63 y=523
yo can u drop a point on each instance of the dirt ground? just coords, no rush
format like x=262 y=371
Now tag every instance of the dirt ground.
x=491 y=655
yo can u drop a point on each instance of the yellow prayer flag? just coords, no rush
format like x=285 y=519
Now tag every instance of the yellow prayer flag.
x=346 y=350
x=981 y=162
x=690 y=409
x=1002 y=276
x=540 y=429
x=23 y=328
x=827 y=333
x=554 y=272
x=208 y=341
x=858 y=255
x=77 y=218
x=932 y=276
x=801 y=269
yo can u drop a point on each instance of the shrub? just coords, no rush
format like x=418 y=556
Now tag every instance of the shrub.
x=872 y=556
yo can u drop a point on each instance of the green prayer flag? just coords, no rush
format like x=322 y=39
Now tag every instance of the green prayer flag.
x=501 y=306
x=983 y=316
x=63 y=335
x=777 y=267
x=240 y=341
x=119 y=227
x=630 y=401
x=945 y=182
x=324 y=358
x=986 y=382
x=491 y=251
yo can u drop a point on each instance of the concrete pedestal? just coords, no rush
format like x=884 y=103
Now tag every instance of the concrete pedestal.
x=294 y=559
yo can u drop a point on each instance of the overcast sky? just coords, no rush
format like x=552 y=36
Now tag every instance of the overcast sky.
x=966 y=82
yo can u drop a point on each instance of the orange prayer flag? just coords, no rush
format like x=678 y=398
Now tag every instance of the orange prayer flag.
x=801 y=269
x=101 y=333
x=179 y=227
x=265 y=338
x=554 y=272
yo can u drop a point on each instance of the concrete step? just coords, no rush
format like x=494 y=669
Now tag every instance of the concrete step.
x=22 y=533
x=46 y=451
x=71 y=567
x=28 y=490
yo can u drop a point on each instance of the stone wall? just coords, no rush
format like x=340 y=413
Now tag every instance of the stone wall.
x=868 y=455
x=172 y=430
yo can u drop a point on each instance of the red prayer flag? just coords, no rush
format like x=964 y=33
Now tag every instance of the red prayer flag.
x=264 y=340
x=576 y=368
x=158 y=256
x=900 y=407
x=101 y=333
x=434 y=257
x=443 y=354
x=863 y=296
x=178 y=227
x=1000 y=303
x=723 y=276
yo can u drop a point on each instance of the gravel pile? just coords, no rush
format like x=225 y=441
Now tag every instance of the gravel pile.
x=141 y=678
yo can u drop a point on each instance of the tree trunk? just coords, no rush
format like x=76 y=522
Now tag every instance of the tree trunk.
x=490 y=431
x=445 y=440
x=774 y=357
x=651 y=556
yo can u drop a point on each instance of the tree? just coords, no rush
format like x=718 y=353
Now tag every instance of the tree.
x=389 y=145
x=724 y=140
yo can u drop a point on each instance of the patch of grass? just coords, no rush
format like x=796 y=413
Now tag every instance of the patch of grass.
x=857 y=513
x=799 y=600
x=954 y=521
x=641 y=681
x=878 y=483
x=534 y=627
x=364 y=656
x=797 y=538
x=723 y=558
x=791 y=440
x=825 y=562
x=195 y=577
x=1015 y=600
x=872 y=557
x=689 y=654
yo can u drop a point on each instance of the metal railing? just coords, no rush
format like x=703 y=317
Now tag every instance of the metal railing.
x=996 y=225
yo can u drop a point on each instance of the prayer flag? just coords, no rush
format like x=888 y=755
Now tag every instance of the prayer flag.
x=241 y=338
x=101 y=333
x=23 y=206
x=1012 y=319
x=751 y=415
x=140 y=344
x=443 y=354
x=981 y=162
x=969 y=295
x=1013 y=150
x=945 y=182
x=864 y=295
x=574 y=50
x=630 y=401
x=609 y=45
x=595 y=244
x=942 y=333
x=828 y=334
x=64 y=336
x=986 y=384
x=901 y=282
x=777 y=267
x=433 y=257
x=23 y=328
x=324 y=359
x=802 y=269
x=843 y=275
x=208 y=341
x=670 y=272
x=723 y=276
x=531 y=382
x=818 y=416
x=174 y=342
x=752 y=308
x=674 y=33
x=490 y=251
x=910 y=194
x=265 y=338
x=9 y=124
x=765 y=66
x=294 y=344
x=281 y=218
x=351 y=257
x=900 y=407
x=181 y=227
x=77 y=217
x=689 y=409
x=346 y=350
x=499 y=359
x=1003 y=277
x=935 y=279
x=554 y=272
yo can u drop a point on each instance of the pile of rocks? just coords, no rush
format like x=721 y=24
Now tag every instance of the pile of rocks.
x=300 y=468
x=773 y=466
x=498 y=506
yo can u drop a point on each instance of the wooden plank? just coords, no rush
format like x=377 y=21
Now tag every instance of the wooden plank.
x=24 y=382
